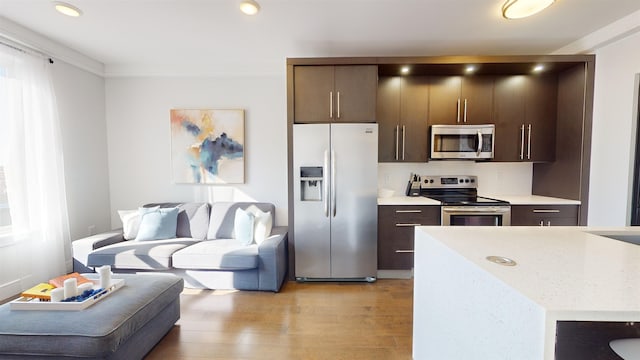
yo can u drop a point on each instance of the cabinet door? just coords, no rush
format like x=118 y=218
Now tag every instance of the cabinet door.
x=444 y=97
x=540 y=115
x=544 y=215
x=355 y=93
x=388 y=115
x=477 y=100
x=313 y=88
x=509 y=106
x=414 y=108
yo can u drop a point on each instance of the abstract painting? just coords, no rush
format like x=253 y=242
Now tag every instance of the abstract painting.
x=207 y=146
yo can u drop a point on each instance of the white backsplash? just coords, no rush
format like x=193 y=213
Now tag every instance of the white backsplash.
x=493 y=178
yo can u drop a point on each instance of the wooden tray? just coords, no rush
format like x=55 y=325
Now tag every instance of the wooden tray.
x=24 y=303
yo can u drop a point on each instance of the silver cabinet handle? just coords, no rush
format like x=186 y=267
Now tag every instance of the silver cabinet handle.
x=333 y=182
x=338 y=104
x=458 y=111
x=330 y=104
x=529 y=144
x=397 y=140
x=403 y=140
x=326 y=183
x=546 y=211
x=407 y=224
x=479 y=142
x=404 y=251
x=522 y=142
x=408 y=211
x=465 y=110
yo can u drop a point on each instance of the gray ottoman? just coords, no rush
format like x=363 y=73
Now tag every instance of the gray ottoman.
x=125 y=325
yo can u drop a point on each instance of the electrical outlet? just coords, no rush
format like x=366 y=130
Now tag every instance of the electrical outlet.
x=92 y=229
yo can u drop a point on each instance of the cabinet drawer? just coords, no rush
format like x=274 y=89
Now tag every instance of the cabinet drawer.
x=545 y=215
x=410 y=215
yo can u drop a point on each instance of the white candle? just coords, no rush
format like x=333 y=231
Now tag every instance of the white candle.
x=70 y=288
x=57 y=294
x=105 y=276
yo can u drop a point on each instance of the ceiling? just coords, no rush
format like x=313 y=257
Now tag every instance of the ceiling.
x=169 y=35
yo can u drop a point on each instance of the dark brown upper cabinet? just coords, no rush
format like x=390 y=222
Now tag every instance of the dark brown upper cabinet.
x=325 y=94
x=525 y=117
x=461 y=100
x=402 y=109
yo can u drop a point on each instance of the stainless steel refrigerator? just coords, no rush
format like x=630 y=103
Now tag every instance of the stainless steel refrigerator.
x=335 y=208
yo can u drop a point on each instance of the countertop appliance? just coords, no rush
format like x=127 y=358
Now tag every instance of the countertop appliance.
x=335 y=201
x=473 y=142
x=413 y=186
x=461 y=205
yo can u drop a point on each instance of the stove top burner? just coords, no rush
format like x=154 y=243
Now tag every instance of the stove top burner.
x=456 y=190
x=470 y=200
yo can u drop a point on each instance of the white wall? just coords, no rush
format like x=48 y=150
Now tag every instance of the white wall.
x=138 y=132
x=80 y=99
x=493 y=178
x=614 y=126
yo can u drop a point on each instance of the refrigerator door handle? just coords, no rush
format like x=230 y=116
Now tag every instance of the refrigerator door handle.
x=333 y=183
x=326 y=184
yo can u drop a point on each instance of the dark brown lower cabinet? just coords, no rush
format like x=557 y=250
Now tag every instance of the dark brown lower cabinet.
x=590 y=339
x=544 y=215
x=396 y=230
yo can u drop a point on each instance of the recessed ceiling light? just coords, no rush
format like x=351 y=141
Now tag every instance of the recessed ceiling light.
x=538 y=68
x=517 y=9
x=404 y=70
x=470 y=69
x=67 y=9
x=249 y=7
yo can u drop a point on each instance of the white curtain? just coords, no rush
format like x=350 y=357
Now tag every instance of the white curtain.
x=35 y=246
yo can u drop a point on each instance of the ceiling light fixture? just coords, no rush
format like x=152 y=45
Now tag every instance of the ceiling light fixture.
x=249 y=7
x=517 y=9
x=67 y=9
x=470 y=69
x=404 y=70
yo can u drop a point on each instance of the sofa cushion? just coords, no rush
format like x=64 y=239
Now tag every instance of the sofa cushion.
x=223 y=216
x=193 y=219
x=141 y=255
x=221 y=254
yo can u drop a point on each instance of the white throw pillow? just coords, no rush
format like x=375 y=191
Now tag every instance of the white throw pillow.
x=263 y=224
x=243 y=226
x=131 y=222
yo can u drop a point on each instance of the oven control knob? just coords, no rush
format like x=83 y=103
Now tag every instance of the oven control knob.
x=473 y=180
x=466 y=180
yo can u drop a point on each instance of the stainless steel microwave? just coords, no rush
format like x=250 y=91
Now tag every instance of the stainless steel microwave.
x=474 y=142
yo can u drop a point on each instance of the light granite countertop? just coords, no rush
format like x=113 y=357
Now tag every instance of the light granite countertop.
x=513 y=199
x=561 y=274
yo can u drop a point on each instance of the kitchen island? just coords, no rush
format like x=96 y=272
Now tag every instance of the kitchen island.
x=567 y=293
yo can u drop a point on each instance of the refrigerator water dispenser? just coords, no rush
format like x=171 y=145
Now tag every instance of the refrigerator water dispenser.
x=311 y=178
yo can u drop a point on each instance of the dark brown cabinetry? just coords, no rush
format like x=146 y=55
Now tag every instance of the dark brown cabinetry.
x=461 y=100
x=402 y=108
x=335 y=93
x=396 y=231
x=544 y=215
x=525 y=118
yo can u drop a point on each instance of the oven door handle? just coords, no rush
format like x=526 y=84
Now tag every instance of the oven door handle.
x=479 y=142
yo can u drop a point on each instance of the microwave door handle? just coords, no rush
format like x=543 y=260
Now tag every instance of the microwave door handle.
x=479 y=142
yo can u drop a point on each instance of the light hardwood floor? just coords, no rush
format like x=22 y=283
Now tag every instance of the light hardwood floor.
x=302 y=321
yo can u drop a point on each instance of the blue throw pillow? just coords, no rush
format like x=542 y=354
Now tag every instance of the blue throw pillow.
x=243 y=226
x=157 y=223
